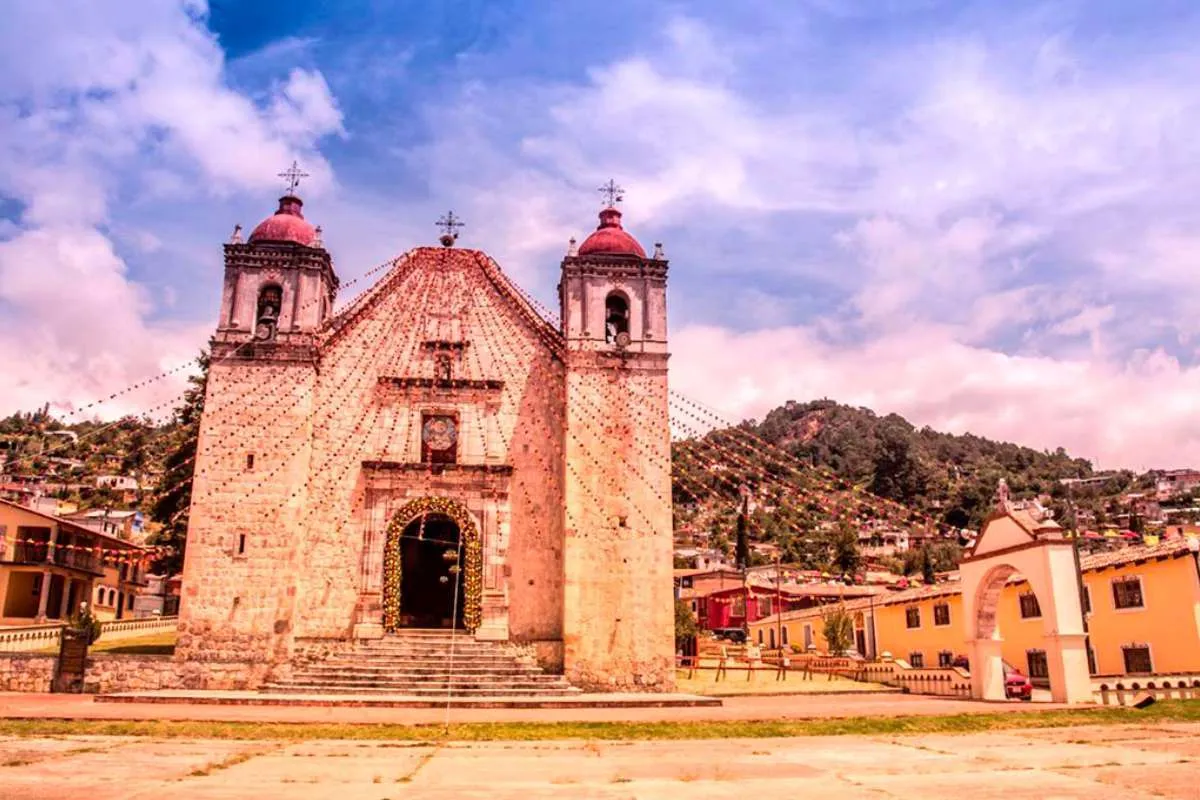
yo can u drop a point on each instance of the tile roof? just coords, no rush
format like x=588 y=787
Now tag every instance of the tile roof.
x=1126 y=555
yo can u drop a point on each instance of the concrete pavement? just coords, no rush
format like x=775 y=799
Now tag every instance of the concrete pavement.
x=65 y=706
x=1088 y=763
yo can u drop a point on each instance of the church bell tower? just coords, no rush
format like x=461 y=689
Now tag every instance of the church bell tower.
x=618 y=615
x=249 y=487
x=279 y=287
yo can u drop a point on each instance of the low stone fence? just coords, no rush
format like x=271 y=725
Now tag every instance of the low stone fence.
x=1125 y=690
x=112 y=672
x=26 y=672
x=31 y=638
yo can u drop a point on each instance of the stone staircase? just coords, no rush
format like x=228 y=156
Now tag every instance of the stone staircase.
x=425 y=663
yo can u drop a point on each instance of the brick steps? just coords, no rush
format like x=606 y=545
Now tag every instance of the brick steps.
x=422 y=664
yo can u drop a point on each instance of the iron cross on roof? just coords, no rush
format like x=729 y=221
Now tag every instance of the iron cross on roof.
x=449 y=225
x=613 y=194
x=292 y=175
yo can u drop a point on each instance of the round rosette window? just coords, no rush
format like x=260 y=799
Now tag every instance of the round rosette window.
x=439 y=433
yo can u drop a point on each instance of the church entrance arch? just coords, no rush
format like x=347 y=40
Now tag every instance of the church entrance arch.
x=432 y=565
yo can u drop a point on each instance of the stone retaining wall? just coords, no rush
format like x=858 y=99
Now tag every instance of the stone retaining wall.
x=26 y=672
x=108 y=673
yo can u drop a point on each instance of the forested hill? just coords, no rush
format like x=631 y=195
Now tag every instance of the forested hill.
x=949 y=477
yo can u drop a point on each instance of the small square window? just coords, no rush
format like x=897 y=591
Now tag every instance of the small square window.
x=1137 y=658
x=941 y=614
x=1127 y=593
x=916 y=660
x=1029 y=606
x=912 y=617
x=945 y=659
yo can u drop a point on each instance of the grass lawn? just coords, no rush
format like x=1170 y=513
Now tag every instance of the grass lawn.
x=151 y=644
x=1163 y=711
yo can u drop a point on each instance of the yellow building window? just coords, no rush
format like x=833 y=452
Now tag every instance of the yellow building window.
x=1127 y=593
x=912 y=617
x=1029 y=606
x=941 y=614
x=916 y=660
x=1137 y=658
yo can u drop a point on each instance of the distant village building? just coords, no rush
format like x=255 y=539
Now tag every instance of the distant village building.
x=49 y=565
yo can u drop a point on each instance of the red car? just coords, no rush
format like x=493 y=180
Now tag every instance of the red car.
x=1015 y=683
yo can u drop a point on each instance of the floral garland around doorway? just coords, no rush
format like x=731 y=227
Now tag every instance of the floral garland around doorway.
x=469 y=536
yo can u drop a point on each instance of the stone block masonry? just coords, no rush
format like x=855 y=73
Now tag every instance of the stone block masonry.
x=109 y=673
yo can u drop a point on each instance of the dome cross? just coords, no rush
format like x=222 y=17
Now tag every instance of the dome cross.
x=292 y=175
x=613 y=194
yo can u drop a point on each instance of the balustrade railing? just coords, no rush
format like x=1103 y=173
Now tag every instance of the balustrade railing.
x=40 y=637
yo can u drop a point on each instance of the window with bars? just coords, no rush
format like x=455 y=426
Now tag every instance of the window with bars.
x=941 y=614
x=1029 y=606
x=1038 y=666
x=916 y=660
x=945 y=659
x=1127 y=593
x=1137 y=658
x=912 y=617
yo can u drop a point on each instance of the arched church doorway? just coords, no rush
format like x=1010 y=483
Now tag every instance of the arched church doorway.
x=432 y=567
x=431 y=576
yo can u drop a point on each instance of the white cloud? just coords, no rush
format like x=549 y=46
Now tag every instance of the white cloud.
x=1140 y=414
x=107 y=100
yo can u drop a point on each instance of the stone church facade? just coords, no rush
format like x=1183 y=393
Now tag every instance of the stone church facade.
x=435 y=454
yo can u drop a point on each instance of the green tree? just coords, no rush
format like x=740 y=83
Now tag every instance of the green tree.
x=685 y=623
x=838 y=629
x=846 y=556
x=173 y=496
x=928 y=572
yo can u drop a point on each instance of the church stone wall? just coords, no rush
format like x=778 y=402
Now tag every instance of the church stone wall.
x=619 y=614
x=238 y=592
x=364 y=417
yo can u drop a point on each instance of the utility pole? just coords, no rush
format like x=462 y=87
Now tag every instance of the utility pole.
x=742 y=554
x=778 y=604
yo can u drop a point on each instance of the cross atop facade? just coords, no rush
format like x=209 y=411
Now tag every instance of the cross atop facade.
x=613 y=194
x=292 y=175
x=449 y=225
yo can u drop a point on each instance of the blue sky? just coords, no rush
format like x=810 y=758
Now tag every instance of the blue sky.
x=979 y=215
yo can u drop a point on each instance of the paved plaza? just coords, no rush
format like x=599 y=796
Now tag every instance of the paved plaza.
x=1088 y=762
x=15 y=705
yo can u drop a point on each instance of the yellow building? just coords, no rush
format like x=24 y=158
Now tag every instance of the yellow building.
x=1142 y=608
x=48 y=566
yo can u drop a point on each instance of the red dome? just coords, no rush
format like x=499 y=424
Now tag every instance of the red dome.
x=286 y=225
x=610 y=238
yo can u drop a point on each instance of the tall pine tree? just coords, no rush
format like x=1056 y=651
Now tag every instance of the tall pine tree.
x=173 y=496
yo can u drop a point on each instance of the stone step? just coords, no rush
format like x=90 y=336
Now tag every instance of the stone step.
x=418 y=682
x=439 y=669
x=388 y=658
x=367 y=674
x=489 y=691
x=442 y=666
x=418 y=687
x=427 y=664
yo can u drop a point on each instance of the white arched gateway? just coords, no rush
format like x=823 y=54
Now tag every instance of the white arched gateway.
x=1018 y=541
